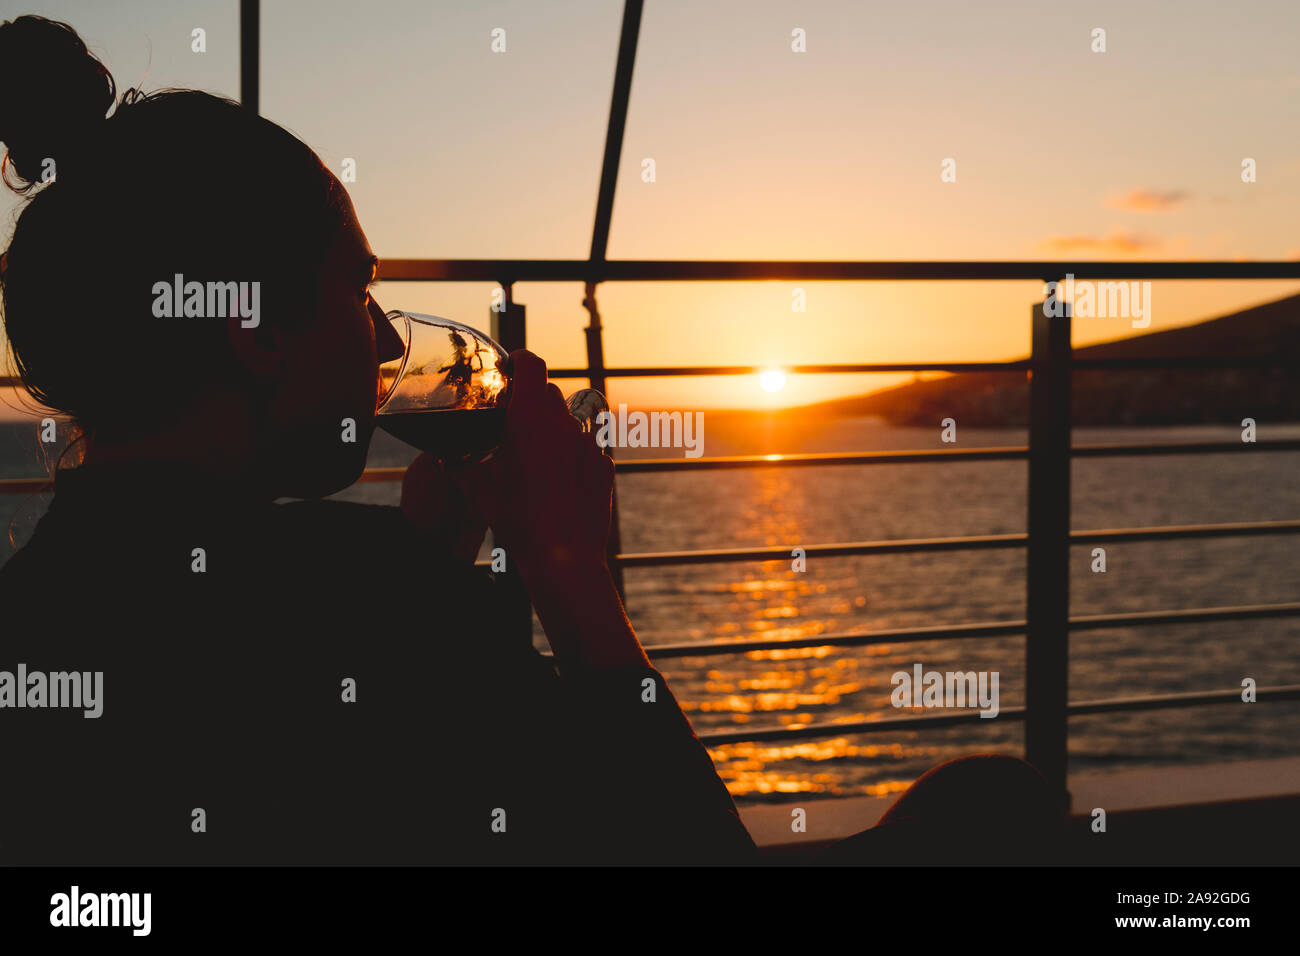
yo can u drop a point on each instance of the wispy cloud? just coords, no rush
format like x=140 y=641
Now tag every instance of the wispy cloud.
x=1149 y=200
x=1116 y=242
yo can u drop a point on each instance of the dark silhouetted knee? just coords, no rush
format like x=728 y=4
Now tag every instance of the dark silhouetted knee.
x=988 y=788
x=979 y=809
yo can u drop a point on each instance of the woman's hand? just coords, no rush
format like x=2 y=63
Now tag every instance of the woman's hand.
x=434 y=504
x=547 y=495
x=547 y=492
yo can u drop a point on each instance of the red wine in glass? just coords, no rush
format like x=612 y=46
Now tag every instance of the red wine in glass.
x=454 y=434
x=447 y=393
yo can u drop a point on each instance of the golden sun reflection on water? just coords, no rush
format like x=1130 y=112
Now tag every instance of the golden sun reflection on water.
x=742 y=766
x=790 y=687
x=793 y=687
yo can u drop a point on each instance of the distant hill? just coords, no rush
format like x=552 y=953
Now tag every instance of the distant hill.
x=1122 y=397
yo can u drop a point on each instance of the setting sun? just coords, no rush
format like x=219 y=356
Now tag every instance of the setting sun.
x=773 y=380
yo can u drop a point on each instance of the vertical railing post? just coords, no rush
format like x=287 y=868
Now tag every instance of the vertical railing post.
x=596 y=376
x=508 y=328
x=1048 y=559
x=250 y=22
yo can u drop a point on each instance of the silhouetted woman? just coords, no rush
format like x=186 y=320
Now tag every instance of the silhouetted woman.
x=302 y=682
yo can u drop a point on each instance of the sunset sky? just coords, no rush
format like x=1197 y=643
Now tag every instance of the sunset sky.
x=762 y=153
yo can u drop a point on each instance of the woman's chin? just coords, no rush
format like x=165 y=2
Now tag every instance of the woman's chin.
x=329 y=477
x=322 y=469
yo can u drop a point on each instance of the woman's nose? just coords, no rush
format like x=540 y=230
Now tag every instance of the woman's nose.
x=388 y=344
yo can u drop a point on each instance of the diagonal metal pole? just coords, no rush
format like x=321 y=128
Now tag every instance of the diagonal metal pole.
x=617 y=124
x=600 y=233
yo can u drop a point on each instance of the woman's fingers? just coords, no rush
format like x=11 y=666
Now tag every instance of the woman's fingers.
x=527 y=382
x=596 y=468
x=547 y=491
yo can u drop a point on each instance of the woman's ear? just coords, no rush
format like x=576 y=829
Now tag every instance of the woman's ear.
x=258 y=349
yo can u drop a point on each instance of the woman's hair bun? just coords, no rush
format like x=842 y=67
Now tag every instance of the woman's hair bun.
x=53 y=93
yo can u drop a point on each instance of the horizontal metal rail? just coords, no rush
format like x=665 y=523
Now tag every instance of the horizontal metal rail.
x=900 y=635
x=962 y=543
x=723 y=463
x=1128 y=450
x=1018 y=365
x=991 y=453
x=994 y=453
x=1187 y=615
x=25 y=486
x=1004 y=453
x=716 y=738
x=708 y=270
x=668 y=371
x=976 y=542
x=1234 y=529
x=1280 y=360
x=946 y=632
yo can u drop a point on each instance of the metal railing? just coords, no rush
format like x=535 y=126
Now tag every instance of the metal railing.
x=1047 y=623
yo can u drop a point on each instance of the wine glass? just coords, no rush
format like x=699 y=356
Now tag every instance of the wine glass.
x=448 y=391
